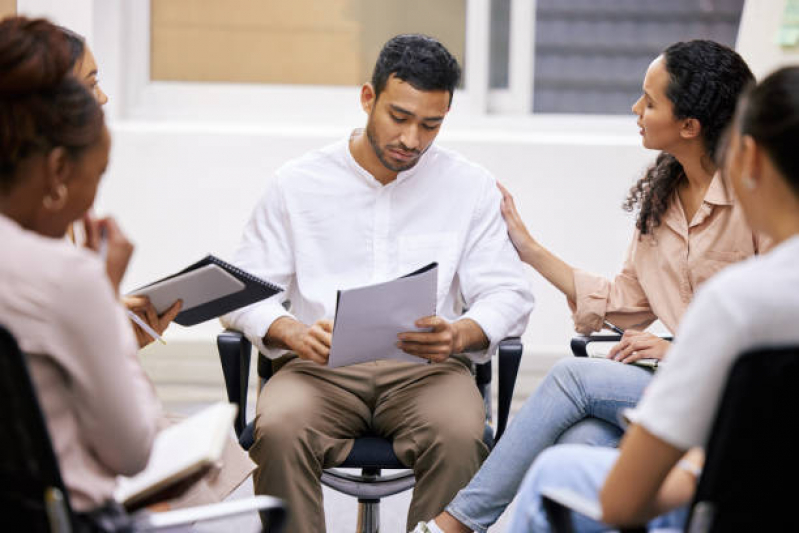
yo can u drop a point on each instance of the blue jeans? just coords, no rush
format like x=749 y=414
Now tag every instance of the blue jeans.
x=578 y=401
x=581 y=469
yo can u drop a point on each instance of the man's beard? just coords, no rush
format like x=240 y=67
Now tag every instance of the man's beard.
x=381 y=155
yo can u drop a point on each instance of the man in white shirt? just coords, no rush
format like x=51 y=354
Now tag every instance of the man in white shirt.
x=367 y=209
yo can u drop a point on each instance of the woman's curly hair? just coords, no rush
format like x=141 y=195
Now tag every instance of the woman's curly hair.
x=705 y=81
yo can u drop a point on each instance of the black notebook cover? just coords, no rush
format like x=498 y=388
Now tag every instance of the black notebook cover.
x=255 y=289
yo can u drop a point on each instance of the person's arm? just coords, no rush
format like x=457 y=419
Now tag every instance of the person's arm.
x=114 y=400
x=592 y=298
x=630 y=494
x=266 y=251
x=677 y=409
x=551 y=267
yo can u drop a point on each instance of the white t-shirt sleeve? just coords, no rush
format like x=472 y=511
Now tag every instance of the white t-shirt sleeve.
x=680 y=404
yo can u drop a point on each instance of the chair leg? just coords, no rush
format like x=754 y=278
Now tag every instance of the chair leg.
x=368 y=516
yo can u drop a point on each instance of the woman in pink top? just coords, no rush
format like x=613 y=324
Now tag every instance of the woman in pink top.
x=689 y=227
x=61 y=302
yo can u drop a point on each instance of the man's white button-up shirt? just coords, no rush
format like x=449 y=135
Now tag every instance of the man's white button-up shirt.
x=326 y=224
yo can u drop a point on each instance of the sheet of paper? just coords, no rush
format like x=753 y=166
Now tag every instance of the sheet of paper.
x=368 y=319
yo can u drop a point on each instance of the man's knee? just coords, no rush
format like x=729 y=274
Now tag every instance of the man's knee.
x=278 y=432
x=459 y=438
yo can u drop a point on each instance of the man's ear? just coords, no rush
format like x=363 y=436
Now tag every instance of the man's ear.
x=368 y=98
x=691 y=128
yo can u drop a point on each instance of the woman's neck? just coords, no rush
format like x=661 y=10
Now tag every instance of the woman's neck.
x=698 y=167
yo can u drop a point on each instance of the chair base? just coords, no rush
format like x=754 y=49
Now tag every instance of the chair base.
x=368 y=516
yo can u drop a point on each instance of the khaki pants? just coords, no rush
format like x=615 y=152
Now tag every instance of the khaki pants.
x=308 y=415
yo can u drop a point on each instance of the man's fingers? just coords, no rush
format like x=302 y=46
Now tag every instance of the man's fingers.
x=433 y=337
x=321 y=335
x=326 y=325
x=435 y=322
x=424 y=351
x=317 y=346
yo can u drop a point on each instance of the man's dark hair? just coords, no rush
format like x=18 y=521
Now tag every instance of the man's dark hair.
x=419 y=60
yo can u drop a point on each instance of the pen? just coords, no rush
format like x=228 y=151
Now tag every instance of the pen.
x=102 y=250
x=143 y=325
x=617 y=329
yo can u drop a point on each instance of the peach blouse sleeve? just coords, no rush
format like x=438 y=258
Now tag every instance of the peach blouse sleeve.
x=621 y=301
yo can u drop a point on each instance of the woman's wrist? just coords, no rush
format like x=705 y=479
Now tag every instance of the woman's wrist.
x=530 y=252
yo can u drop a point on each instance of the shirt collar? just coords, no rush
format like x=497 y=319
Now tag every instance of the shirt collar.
x=402 y=176
x=719 y=192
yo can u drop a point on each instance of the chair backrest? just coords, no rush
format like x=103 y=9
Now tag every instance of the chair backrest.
x=28 y=466
x=752 y=462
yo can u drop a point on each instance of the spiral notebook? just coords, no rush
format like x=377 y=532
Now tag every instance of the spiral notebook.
x=209 y=288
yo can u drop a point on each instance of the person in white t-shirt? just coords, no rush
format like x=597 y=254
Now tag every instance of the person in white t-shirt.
x=652 y=477
x=380 y=203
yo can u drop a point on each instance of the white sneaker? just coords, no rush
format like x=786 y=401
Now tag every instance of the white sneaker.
x=429 y=527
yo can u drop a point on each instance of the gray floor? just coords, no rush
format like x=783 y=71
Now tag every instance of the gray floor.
x=188 y=377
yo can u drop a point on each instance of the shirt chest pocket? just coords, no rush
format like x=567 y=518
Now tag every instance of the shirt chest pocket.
x=417 y=250
x=712 y=262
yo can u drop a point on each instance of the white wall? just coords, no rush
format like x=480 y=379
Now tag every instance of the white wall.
x=183 y=190
x=757 y=35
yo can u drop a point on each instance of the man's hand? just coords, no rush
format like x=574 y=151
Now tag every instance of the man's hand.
x=311 y=343
x=146 y=311
x=635 y=345
x=443 y=339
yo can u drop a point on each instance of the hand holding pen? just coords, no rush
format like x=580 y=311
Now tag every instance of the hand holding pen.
x=148 y=324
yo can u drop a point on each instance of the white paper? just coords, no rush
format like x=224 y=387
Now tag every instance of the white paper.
x=180 y=450
x=368 y=319
x=195 y=287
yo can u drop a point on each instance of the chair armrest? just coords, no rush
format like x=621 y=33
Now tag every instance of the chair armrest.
x=509 y=356
x=579 y=344
x=234 y=354
x=272 y=511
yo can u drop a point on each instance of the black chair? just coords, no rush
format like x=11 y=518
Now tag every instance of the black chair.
x=33 y=497
x=579 y=344
x=370 y=453
x=751 y=457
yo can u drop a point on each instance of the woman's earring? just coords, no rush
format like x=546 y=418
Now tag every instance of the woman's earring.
x=57 y=201
x=748 y=182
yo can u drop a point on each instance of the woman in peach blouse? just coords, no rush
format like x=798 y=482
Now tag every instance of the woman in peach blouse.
x=689 y=226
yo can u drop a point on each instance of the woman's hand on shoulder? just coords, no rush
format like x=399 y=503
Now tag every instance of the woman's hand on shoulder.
x=635 y=345
x=519 y=235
